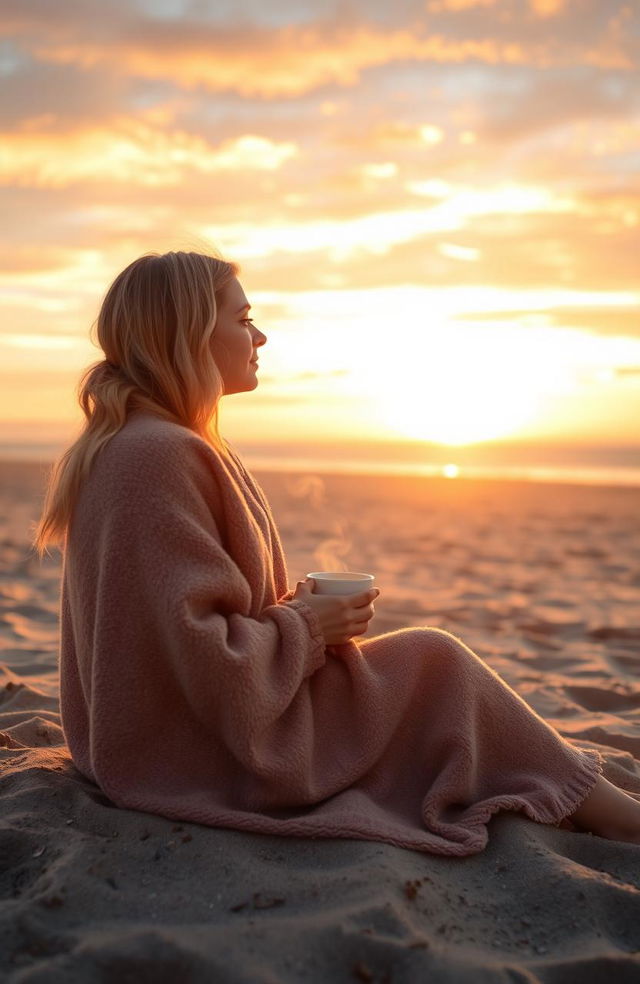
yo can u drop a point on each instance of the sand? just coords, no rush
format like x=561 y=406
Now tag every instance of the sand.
x=543 y=581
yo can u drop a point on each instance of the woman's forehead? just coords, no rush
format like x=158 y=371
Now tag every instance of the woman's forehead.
x=233 y=296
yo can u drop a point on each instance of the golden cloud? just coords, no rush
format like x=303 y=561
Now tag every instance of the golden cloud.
x=129 y=151
x=377 y=232
x=548 y=8
x=438 y=6
x=289 y=62
x=541 y=8
x=293 y=60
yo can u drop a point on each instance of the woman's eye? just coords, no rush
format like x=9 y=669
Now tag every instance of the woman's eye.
x=248 y=321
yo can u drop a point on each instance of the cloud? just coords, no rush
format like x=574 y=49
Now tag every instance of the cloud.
x=261 y=58
x=541 y=8
x=291 y=62
x=517 y=234
x=526 y=251
x=55 y=95
x=20 y=258
x=301 y=140
x=597 y=319
x=454 y=251
x=548 y=8
x=544 y=103
x=377 y=231
x=132 y=152
x=39 y=342
x=438 y=6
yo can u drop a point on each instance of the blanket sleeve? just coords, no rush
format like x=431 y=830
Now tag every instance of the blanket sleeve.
x=175 y=617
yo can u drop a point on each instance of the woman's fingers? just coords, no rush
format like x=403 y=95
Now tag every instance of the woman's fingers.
x=361 y=628
x=341 y=617
x=368 y=598
x=366 y=611
x=364 y=598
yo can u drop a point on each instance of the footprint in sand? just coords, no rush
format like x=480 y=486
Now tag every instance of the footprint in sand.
x=621 y=633
x=597 y=699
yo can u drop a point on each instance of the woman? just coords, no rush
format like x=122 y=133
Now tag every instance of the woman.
x=196 y=685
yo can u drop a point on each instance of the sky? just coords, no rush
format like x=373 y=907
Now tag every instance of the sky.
x=435 y=206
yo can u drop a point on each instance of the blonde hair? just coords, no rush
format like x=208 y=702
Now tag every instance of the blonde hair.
x=154 y=327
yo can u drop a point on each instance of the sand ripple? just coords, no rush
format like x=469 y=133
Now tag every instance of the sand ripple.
x=542 y=583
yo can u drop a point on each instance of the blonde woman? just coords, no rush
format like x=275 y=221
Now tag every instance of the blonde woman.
x=196 y=685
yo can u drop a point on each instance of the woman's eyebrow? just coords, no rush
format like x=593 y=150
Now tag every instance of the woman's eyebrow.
x=245 y=307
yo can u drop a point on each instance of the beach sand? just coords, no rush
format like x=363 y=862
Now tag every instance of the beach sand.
x=542 y=581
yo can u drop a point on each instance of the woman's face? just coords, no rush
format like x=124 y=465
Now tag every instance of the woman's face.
x=235 y=341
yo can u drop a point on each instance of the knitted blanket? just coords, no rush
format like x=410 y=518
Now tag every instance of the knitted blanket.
x=194 y=686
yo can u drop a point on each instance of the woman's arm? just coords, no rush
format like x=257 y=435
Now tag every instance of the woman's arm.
x=173 y=618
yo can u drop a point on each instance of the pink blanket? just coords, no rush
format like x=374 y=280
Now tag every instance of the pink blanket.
x=194 y=687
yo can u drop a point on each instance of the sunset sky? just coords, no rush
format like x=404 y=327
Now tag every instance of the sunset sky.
x=435 y=206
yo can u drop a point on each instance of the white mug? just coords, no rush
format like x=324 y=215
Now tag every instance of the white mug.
x=341 y=582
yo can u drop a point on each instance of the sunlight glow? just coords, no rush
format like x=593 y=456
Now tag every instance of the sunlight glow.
x=388 y=169
x=431 y=134
x=455 y=384
x=453 y=251
x=377 y=232
x=462 y=404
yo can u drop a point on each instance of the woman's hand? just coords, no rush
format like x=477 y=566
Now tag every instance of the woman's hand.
x=341 y=616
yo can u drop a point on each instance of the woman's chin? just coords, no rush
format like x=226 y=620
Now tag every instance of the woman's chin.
x=245 y=387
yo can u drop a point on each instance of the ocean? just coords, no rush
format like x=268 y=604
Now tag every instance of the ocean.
x=566 y=464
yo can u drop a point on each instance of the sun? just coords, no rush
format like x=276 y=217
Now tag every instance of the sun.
x=457 y=409
x=464 y=388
